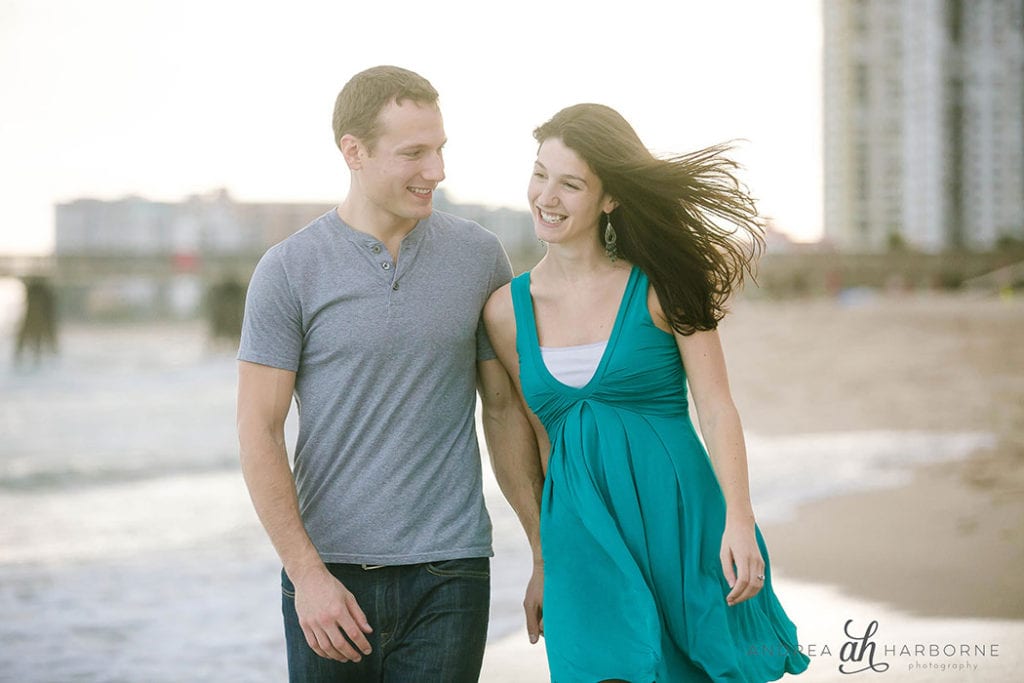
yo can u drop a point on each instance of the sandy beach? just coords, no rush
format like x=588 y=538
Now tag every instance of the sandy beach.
x=886 y=440
x=935 y=562
x=949 y=544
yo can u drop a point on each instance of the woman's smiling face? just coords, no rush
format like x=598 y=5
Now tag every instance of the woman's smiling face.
x=566 y=197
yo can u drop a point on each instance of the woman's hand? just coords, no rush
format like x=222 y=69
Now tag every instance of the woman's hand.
x=741 y=558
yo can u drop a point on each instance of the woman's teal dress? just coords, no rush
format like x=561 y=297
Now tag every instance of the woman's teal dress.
x=632 y=519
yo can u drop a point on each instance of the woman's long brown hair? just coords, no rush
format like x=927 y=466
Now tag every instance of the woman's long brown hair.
x=685 y=220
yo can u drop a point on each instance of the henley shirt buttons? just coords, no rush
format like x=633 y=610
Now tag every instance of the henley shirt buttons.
x=375 y=249
x=386 y=265
x=394 y=286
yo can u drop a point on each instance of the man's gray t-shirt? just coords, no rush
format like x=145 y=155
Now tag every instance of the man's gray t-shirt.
x=387 y=464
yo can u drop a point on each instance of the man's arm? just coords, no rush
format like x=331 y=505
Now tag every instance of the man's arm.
x=323 y=604
x=512 y=441
x=512 y=445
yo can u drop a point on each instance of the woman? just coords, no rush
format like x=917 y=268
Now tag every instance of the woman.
x=654 y=568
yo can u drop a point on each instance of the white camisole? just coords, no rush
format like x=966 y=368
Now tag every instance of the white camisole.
x=573 y=366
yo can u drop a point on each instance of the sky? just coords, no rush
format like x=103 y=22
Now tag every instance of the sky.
x=164 y=99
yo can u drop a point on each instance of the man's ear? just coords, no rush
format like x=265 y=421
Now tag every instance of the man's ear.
x=353 y=150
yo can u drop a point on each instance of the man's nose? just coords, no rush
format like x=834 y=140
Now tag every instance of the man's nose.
x=434 y=168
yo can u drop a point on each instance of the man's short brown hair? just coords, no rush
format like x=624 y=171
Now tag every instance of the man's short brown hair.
x=357 y=109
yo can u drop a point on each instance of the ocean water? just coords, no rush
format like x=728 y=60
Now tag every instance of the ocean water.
x=129 y=550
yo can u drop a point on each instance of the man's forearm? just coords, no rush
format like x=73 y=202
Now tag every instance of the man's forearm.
x=514 y=457
x=272 y=489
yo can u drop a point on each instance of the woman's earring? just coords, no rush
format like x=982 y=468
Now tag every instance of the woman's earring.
x=610 y=238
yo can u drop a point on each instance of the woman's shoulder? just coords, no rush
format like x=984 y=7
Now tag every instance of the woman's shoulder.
x=654 y=307
x=500 y=300
x=499 y=312
x=500 y=307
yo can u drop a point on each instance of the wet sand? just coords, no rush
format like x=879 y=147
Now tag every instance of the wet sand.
x=951 y=543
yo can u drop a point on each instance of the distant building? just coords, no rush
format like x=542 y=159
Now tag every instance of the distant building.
x=215 y=224
x=513 y=227
x=211 y=224
x=204 y=242
x=777 y=241
x=924 y=123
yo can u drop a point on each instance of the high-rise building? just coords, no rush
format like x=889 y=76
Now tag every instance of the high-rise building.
x=924 y=123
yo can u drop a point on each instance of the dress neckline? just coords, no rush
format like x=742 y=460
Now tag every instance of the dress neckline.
x=612 y=337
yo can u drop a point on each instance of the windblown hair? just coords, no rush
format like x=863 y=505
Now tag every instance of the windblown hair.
x=670 y=214
x=358 y=105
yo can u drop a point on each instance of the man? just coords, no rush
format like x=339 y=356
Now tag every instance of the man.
x=370 y=317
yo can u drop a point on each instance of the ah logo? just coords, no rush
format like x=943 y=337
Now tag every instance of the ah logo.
x=858 y=648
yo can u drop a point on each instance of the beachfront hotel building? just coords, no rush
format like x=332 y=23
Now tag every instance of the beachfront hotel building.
x=924 y=123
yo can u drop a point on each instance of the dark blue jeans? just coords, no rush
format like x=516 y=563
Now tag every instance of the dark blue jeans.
x=429 y=624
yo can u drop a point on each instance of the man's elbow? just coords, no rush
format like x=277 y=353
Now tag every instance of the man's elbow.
x=497 y=397
x=495 y=412
x=255 y=434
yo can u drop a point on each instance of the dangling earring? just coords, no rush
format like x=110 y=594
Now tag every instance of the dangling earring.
x=610 y=238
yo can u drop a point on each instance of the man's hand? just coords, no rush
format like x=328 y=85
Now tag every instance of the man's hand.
x=533 y=603
x=328 y=612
